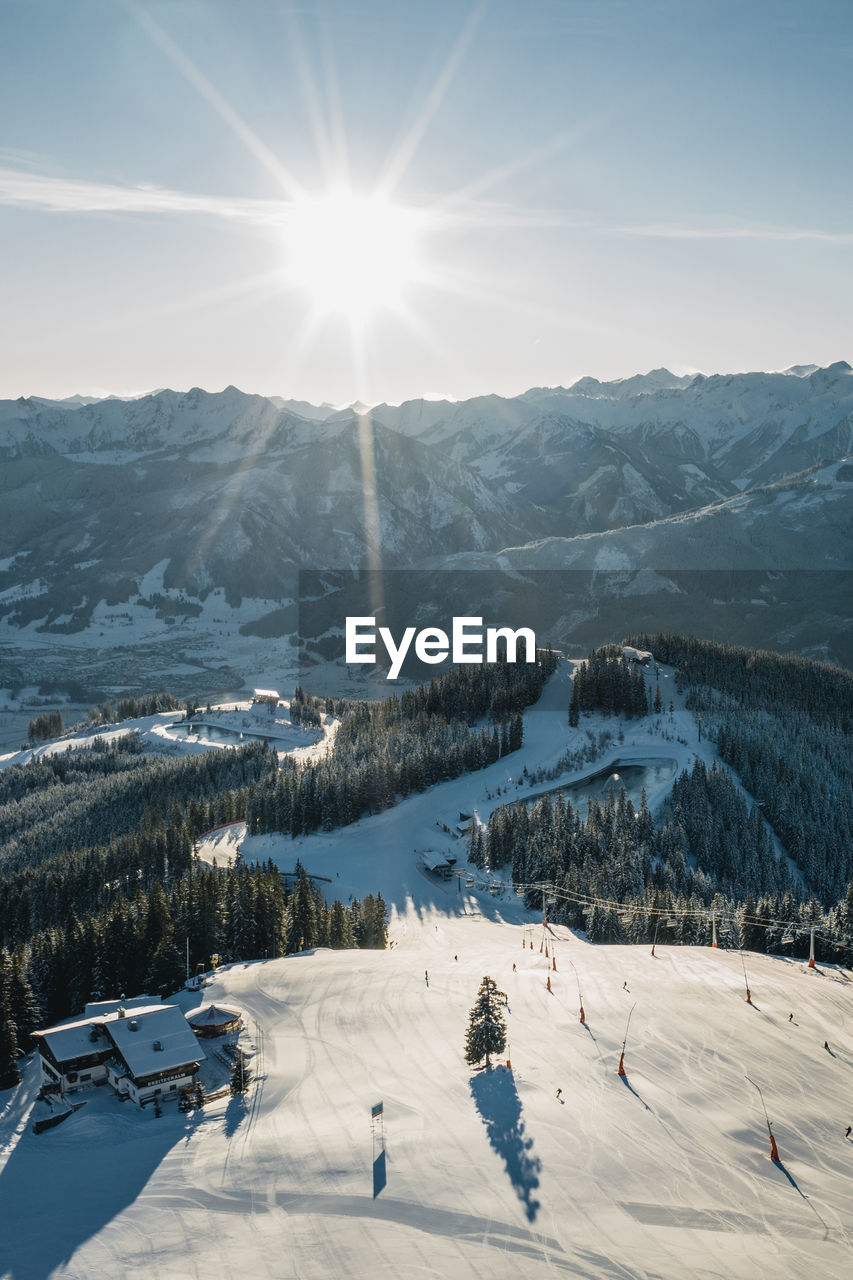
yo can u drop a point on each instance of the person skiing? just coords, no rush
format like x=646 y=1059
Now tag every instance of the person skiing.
x=514 y=969
x=790 y=1017
x=426 y=976
x=559 y=1092
x=848 y=1131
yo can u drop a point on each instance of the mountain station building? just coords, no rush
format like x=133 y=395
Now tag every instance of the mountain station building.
x=144 y=1053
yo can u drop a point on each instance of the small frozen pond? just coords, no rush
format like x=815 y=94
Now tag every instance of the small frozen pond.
x=215 y=733
x=634 y=776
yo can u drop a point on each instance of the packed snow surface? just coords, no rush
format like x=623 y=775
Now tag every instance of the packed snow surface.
x=662 y=1173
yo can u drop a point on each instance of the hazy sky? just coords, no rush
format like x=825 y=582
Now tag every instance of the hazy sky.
x=555 y=188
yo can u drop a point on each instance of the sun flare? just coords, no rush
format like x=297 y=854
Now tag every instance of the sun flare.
x=352 y=254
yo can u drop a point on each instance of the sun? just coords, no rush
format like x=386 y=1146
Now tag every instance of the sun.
x=352 y=254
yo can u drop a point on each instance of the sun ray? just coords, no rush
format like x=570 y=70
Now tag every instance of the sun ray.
x=467 y=286
x=336 y=116
x=404 y=151
x=215 y=99
x=547 y=150
x=324 y=111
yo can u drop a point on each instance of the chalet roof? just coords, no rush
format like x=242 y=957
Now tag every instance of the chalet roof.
x=73 y=1039
x=98 y=1008
x=265 y=693
x=636 y=655
x=213 y=1015
x=164 y=1023
x=136 y=1035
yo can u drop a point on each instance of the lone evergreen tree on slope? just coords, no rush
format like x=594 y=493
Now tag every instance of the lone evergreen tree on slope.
x=241 y=1073
x=486 y=1025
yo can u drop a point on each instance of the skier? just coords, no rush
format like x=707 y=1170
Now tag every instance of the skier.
x=826 y=1045
x=847 y=1131
x=559 y=1091
x=624 y=986
x=426 y=976
x=790 y=1017
x=514 y=969
x=455 y=957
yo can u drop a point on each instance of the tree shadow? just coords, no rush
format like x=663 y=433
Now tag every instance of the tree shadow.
x=235 y=1113
x=60 y=1188
x=499 y=1105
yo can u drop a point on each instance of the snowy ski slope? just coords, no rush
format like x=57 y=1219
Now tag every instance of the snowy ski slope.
x=662 y=1174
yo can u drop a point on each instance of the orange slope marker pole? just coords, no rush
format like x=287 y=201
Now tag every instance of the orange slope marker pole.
x=745 y=980
x=622 y=1071
x=580 y=993
x=774 y=1150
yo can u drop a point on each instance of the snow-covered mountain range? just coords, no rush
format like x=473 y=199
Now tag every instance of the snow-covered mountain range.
x=155 y=506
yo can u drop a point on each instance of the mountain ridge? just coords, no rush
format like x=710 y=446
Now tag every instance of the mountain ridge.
x=230 y=494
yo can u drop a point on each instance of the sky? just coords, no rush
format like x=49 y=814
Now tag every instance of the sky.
x=384 y=199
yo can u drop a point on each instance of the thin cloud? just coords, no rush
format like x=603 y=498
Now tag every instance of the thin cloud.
x=73 y=195
x=674 y=231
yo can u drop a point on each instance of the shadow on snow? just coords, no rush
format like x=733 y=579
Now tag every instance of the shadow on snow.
x=497 y=1101
x=60 y=1188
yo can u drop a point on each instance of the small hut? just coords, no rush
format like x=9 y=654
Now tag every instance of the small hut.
x=215 y=1020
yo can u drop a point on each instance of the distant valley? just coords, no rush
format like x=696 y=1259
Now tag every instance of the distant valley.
x=200 y=538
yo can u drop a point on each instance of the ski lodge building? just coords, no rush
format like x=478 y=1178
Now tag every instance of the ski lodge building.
x=143 y=1052
x=266 y=698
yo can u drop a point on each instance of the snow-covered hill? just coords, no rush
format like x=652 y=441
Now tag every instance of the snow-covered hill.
x=661 y=1174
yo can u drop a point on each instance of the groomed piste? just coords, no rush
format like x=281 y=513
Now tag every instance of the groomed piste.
x=664 y=1171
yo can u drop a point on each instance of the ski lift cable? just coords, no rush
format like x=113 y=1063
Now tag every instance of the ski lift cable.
x=721 y=916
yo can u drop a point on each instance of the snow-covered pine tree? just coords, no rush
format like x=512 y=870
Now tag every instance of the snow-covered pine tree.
x=241 y=1073
x=9 y=1073
x=486 y=1025
x=301 y=920
x=167 y=970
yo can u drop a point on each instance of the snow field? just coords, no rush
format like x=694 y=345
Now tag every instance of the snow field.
x=663 y=1174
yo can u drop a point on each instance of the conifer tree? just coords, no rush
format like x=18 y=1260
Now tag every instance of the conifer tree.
x=301 y=921
x=241 y=1073
x=9 y=1073
x=340 y=927
x=486 y=1025
x=168 y=969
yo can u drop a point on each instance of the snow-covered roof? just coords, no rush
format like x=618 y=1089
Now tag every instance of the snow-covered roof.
x=98 y=1008
x=164 y=1023
x=213 y=1015
x=266 y=694
x=136 y=1035
x=73 y=1039
x=636 y=655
